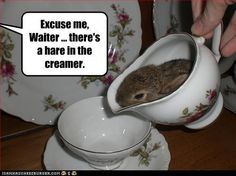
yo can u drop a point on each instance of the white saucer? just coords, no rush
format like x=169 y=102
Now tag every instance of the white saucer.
x=210 y=117
x=58 y=157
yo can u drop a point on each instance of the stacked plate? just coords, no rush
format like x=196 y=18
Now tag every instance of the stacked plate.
x=41 y=99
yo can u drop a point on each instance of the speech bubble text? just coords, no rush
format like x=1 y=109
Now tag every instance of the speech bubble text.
x=63 y=43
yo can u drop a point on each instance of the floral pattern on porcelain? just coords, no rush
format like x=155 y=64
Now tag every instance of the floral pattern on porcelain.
x=120 y=31
x=145 y=153
x=228 y=90
x=7 y=67
x=50 y=103
x=174 y=25
x=116 y=51
x=200 y=109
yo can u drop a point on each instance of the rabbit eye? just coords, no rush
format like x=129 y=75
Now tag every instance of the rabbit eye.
x=139 y=96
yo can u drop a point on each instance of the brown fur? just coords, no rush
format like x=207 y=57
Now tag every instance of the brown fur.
x=152 y=82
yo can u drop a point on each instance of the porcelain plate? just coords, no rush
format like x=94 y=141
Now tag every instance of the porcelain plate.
x=41 y=99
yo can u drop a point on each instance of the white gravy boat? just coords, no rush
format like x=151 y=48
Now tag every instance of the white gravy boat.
x=198 y=101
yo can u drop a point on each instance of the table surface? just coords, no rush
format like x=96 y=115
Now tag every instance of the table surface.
x=212 y=148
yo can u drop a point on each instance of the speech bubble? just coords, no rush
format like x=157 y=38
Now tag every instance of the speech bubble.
x=63 y=43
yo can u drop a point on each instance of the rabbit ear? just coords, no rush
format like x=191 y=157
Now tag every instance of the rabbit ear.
x=174 y=84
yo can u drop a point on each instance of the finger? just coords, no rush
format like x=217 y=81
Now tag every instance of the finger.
x=229 y=48
x=197 y=10
x=208 y=35
x=230 y=32
x=211 y=17
x=197 y=7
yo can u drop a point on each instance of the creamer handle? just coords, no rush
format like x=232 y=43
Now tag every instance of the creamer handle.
x=216 y=41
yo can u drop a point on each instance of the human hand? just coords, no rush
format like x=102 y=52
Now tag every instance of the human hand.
x=207 y=15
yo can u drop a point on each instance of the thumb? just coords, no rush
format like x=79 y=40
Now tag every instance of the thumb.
x=210 y=18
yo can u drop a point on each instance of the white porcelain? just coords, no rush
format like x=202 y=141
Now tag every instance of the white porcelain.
x=228 y=84
x=228 y=89
x=90 y=130
x=195 y=98
x=171 y=16
x=41 y=99
x=58 y=157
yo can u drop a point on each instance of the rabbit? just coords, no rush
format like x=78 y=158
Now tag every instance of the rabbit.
x=153 y=82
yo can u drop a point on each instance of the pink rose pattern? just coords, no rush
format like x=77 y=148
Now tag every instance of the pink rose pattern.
x=120 y=30
x=211 y=95
x=7 y=68
x=7 y=71
x=115 y=52
x=107 y=80
x=201 y=109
